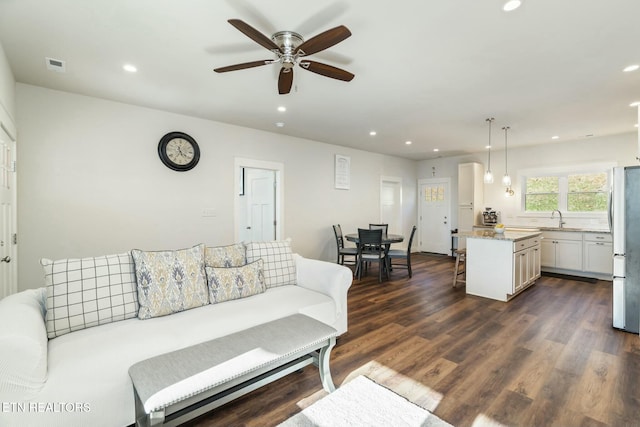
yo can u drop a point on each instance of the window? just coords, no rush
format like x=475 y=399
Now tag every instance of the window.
x=587 y=192
x=543 y=193
x=578 y=191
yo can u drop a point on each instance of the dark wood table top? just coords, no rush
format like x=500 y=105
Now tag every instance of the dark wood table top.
x=386 y=239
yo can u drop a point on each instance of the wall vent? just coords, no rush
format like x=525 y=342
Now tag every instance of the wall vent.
x=56 y=65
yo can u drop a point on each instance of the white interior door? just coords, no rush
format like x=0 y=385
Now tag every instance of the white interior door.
x=8 y=262
x=391 y=203
x=435 y=215
x=259 y=200
x=260 y=185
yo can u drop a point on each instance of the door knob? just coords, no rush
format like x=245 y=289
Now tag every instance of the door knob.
x=6 y=259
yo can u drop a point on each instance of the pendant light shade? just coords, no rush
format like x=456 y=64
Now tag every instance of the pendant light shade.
x=506 y=179
x=488 y=176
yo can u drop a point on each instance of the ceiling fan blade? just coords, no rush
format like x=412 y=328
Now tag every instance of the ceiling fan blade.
x=323 y=40
x=285 y=81
x=254 y=34
x=327 y=70
x=243 y=66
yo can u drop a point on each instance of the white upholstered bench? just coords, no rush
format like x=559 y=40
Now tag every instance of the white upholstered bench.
x=174 y=387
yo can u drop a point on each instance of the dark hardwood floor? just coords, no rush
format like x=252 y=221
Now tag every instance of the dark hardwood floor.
x=549 y=357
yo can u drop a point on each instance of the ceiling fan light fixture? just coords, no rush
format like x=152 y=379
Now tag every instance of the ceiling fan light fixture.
x=289 y=47
x=511 y=5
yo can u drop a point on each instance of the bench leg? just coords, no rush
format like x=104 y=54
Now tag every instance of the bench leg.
x=143 y=419
x=323 y=366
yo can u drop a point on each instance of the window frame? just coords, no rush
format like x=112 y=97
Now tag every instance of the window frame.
x=563 y=172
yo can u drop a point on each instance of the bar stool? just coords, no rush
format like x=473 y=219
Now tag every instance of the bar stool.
x=461 y=257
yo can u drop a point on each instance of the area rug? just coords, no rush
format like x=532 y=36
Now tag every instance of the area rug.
x=362 y=402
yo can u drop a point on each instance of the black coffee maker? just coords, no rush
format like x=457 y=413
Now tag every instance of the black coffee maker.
x=490 y=217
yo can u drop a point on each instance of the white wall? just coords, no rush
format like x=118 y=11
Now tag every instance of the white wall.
x=7 y=89
x=620 y=149
x=91 y=182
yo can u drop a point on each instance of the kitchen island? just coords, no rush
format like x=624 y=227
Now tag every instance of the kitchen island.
x=501 y=265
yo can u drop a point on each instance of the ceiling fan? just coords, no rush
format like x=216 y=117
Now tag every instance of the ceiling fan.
x=290 y=49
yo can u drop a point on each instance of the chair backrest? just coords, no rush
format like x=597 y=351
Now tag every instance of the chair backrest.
x=383 y=227
x=413 y=232
x=370 y=238
x=337 y=230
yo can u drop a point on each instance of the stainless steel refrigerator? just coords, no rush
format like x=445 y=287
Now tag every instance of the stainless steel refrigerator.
x=624 y=220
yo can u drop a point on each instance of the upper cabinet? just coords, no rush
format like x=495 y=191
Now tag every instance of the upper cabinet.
x=470 y=185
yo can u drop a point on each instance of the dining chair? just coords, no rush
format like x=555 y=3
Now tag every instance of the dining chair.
x=370 y=249
x=402 y=254
x=383 y=227
x=342 y=251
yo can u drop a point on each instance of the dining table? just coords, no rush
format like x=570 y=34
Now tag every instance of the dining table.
x=387 y=240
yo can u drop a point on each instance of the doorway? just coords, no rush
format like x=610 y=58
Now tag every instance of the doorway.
x=258 y=206
x=391 y=203
x=434 y=206
x=8 y=261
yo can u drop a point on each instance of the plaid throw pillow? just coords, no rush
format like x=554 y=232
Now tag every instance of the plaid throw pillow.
x=88 y=292
x=279 y=265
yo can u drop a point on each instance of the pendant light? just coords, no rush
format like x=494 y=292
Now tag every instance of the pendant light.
x=488 y=176
x=506 y=179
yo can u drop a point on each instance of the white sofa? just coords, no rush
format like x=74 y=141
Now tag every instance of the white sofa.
x=81 y=378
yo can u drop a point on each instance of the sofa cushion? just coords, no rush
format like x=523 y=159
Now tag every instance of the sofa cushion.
x=235 y=282
x=88 y=292
x=23 y=345
x=279 y=265
x=170 y=281
x=225 y=256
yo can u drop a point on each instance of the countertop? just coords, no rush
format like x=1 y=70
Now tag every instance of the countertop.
x=512 y=236
x=568 y=229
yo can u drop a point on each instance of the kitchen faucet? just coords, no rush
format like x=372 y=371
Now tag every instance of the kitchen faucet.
x=560 y=221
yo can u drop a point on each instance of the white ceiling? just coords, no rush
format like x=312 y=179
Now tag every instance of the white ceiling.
x=429 y=71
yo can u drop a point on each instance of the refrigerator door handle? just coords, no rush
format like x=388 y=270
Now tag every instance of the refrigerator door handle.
x=610 y=210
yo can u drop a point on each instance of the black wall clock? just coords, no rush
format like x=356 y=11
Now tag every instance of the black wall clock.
x=179 y=151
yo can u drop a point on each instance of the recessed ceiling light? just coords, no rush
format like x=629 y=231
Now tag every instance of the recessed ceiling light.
x=130 y=68
x=282 y=108
x=436 y=149
x=408 y=142
x=373 y=133
x=511 y=5
x=633 y=67
x=634 y=104
x=555 y=137
x=487 y=146
x=280 y=124
x=636 y=125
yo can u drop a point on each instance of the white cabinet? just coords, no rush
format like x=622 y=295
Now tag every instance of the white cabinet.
x=500 y=268
x=470 y=195
x=470 y=184
x=470 y=198
x=589 y=253
x=598 y=253
x=562 y=250
x=526 y=263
